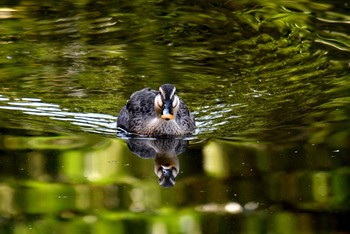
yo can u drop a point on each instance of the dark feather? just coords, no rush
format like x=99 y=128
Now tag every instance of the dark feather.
x=139 y=115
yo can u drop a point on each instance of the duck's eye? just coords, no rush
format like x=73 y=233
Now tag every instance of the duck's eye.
x=176 y=101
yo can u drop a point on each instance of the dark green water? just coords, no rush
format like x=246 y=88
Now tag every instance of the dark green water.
x=268 y=83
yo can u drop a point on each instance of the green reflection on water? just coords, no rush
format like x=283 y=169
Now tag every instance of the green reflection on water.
x=99 y=185
x=267 y=82
x=259 y=66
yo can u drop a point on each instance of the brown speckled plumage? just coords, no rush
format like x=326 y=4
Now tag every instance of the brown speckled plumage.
x=140 y=115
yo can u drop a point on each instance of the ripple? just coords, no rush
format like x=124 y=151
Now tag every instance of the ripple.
x=90 y=122
x=241 y=68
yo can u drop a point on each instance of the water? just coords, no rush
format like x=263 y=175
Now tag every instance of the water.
x=267 y=83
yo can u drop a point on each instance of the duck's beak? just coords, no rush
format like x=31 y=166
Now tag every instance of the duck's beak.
x=167 y=113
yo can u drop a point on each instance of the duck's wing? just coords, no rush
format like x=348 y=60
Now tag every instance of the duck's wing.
x=141 y=103
x=185 y=118
x=123 y=119
x=139 y=107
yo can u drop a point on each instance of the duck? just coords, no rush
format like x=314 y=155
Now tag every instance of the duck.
x=165 y=153
x=156 y=113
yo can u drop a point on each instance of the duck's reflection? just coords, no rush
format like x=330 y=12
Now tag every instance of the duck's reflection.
x=164 y=152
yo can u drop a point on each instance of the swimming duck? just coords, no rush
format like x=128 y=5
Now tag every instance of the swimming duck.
x=156 y=113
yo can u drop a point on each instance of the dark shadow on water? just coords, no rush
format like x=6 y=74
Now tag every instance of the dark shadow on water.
x=164 y=152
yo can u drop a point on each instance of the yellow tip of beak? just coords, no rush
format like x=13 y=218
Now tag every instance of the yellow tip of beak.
x=167 y=117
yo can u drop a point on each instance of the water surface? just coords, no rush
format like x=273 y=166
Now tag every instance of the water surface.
x=268 y=85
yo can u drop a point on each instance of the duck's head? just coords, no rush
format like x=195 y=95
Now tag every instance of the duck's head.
x=167 y=102
x=167 y=175
x=166 y=167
